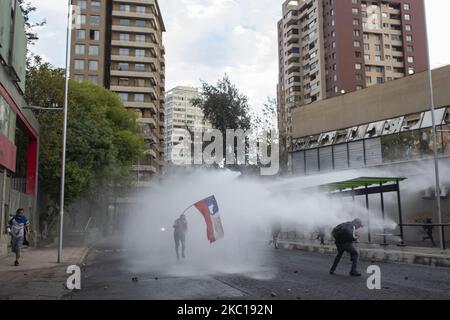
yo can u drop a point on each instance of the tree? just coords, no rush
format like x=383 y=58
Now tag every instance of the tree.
x=103 y=138
x=224 y=106
x=27 y=8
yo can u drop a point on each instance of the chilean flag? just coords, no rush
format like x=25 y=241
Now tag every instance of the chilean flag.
x=210 y=211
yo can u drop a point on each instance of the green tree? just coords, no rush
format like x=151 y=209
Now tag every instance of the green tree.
x=27 y=9
x=103 y=138
x=224 y=106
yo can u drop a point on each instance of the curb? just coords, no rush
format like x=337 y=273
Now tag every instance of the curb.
x=407 y=256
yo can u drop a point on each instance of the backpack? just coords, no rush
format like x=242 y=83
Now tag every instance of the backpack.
x=343 y=232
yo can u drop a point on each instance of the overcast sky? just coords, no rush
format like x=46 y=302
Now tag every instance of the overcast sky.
x=207 y=38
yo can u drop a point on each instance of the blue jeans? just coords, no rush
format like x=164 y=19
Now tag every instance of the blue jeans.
x=354 y=254
x=16 y=243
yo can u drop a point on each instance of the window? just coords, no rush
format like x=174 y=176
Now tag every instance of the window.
x=409 y=38
x=123 y=96
x=93 y=50
x=93 y=65
x=124 y=37
x=124 y=8
x=81 y=19
x=355 y=22
x=380 y=80
x=366 y=46
x=139 y=67
x=139 y=97
x=124 y=52
x=410 y=59
x=123 y=66
x=95 y=35
x=140 y=9
x=356 y=33
x=406 y=6
x=95 y=20
x=359 y=77
x=82 y=4
x=140 y=53
x=409 y=48
x=140 y=38
x=80 y=34
x=355 y=11
x=358 y=66
x=407 y=17
x=95 y=5
x=93 y=79
x=124 y=22
x=359 y=88
x=78 y=78
x=377 y=58
x=368 y=80
x=79 y=49
x=356 y=44
x=408 y=27
x=367 y=57
x=79 y=64
x=378 y=47
x=140 y=23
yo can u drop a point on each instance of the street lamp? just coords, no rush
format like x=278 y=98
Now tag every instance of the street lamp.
x=63 y=163
x=433 y=119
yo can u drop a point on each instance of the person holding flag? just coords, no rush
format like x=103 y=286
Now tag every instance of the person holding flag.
x=180 y=229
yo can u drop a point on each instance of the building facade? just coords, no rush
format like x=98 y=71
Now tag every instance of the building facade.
x=118 y=45
x=384 y=130
x=328 y=48
x=19 y=130
x=181 y=114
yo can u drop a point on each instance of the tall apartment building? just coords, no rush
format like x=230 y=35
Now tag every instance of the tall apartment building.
x=331 y=47
x=181 y=114
x=118 y=44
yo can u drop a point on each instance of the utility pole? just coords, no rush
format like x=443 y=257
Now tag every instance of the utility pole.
x=435 y=140
x=63 y=164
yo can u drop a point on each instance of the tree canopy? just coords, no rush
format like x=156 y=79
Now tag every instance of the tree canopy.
x=103 y=138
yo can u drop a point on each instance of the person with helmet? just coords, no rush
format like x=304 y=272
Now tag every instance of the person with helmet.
x=345 y=236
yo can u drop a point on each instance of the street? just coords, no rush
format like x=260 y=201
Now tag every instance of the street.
x=288 y=275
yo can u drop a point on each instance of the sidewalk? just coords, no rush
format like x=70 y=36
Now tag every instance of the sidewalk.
x=376 y=253
x=38 y=277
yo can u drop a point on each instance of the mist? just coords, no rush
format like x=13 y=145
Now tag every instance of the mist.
x=248 y=208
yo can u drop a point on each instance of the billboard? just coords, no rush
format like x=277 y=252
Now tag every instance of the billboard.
x=5 y=29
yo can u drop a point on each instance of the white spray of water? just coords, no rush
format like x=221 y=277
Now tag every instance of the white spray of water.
x=248 y=208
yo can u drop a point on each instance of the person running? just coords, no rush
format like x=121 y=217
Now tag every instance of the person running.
x=180 y=229
x=345 y=236
x=19 y=229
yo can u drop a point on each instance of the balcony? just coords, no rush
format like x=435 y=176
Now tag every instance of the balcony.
x=134 y=14
x=133 y=44
x=150 y=121
x=132 y=74
x=141 y=30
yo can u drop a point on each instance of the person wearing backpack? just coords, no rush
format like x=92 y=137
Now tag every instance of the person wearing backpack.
x=345 y=236
x=19 y=229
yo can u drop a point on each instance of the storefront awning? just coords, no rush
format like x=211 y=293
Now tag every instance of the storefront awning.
x=362 y=182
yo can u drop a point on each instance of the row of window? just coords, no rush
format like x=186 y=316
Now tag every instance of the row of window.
x=94 y=4
x=80 y=49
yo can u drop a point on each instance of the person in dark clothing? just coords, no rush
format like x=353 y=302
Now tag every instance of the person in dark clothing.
x=345 y=236
x=180 y=229
x=429 y=231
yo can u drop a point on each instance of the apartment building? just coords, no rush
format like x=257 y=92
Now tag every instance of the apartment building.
x=118 y=44
x=328 y=48
x=181 y=114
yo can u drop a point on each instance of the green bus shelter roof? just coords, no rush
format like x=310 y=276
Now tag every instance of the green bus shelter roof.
x=359 y=183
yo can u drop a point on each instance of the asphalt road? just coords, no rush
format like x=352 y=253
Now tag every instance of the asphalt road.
x=287 y=275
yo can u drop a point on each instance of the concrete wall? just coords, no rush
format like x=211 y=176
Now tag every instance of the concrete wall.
x=385 y=101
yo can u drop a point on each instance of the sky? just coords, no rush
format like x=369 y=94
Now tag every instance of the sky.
x=207 y=38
